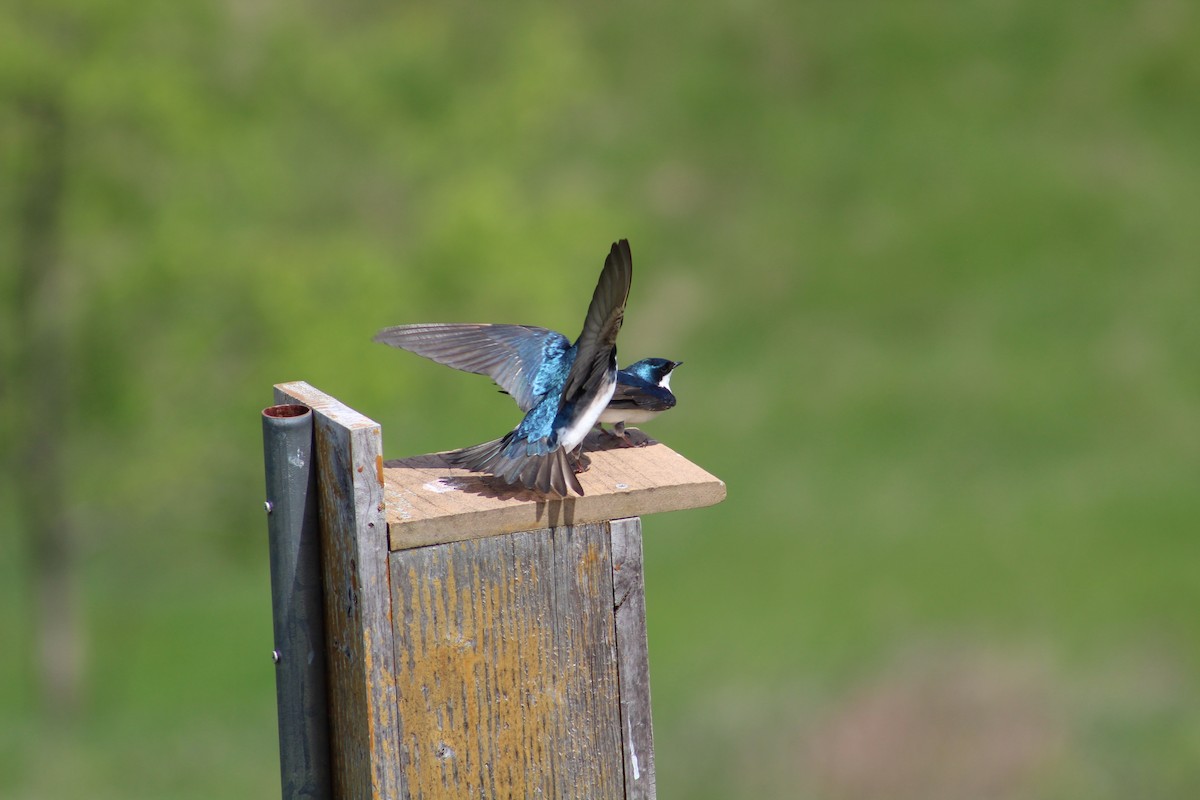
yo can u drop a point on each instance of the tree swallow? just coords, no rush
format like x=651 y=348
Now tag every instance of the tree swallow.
x=643 y=388
x=643 y=392
x=562 y=387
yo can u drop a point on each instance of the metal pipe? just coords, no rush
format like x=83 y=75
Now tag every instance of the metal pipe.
x=299 y=653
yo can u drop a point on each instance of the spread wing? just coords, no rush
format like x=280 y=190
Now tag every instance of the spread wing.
x=597 y=343
x=508 y=354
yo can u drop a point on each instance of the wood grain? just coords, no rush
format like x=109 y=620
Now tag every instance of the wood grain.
x=629 y=603
x=429 y=502
x=507 y=667
x=365 y=729
x=485 y=642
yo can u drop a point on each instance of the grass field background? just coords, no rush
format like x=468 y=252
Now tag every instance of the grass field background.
x=933 y=269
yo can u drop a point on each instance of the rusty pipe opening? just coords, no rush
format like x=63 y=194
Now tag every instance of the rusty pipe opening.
x=284 y=411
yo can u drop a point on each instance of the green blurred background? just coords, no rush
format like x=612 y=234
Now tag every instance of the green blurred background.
x=933 y=268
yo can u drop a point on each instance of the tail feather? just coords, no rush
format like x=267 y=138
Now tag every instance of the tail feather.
x=478 y=458
x=546 y=476
x=523 y=463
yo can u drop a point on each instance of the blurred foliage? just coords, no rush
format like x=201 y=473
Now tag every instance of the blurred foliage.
x=932 y=267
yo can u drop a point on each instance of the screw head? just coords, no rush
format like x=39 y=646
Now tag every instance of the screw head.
x=268 y=506
x=276 y=656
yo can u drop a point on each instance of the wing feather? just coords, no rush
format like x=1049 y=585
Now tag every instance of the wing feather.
x=596 y=345
x=508 y=354
x=639 y=394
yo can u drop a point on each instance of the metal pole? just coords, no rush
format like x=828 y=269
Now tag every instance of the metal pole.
x=299 y=653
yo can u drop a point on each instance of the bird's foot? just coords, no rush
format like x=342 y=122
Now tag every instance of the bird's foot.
x=606 y=432
x=622 y=435
x=581 y=463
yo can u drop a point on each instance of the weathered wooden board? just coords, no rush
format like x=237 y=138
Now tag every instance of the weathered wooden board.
x=486 y=642
x=429 y=501
x=365 y=730
x=507 y=666
x=629 y=603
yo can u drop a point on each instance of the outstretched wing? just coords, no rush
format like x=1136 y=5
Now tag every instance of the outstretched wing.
x=508 y=354
x=596 y=345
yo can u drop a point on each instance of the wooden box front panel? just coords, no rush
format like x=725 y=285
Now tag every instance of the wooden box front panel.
x=506 y=667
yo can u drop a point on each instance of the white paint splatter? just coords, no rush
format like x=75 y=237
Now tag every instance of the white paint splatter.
x=297 y=460
x=637 y=774
x=440 y=486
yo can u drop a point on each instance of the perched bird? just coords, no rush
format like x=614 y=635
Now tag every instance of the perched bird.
x=643 y=388
x=562 y=387
x=643 y=392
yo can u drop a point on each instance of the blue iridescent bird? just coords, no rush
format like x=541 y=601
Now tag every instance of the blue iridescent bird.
x=643 y=392
x=562 y=387
x=643 y=388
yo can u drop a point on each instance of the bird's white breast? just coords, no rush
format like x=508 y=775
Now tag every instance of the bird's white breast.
x=571 y=436
x=628 y=415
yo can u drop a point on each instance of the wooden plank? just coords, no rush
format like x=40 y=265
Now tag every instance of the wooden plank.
x=633 y=663
x=365 y=729
x=430 y=502
x=506 y=667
